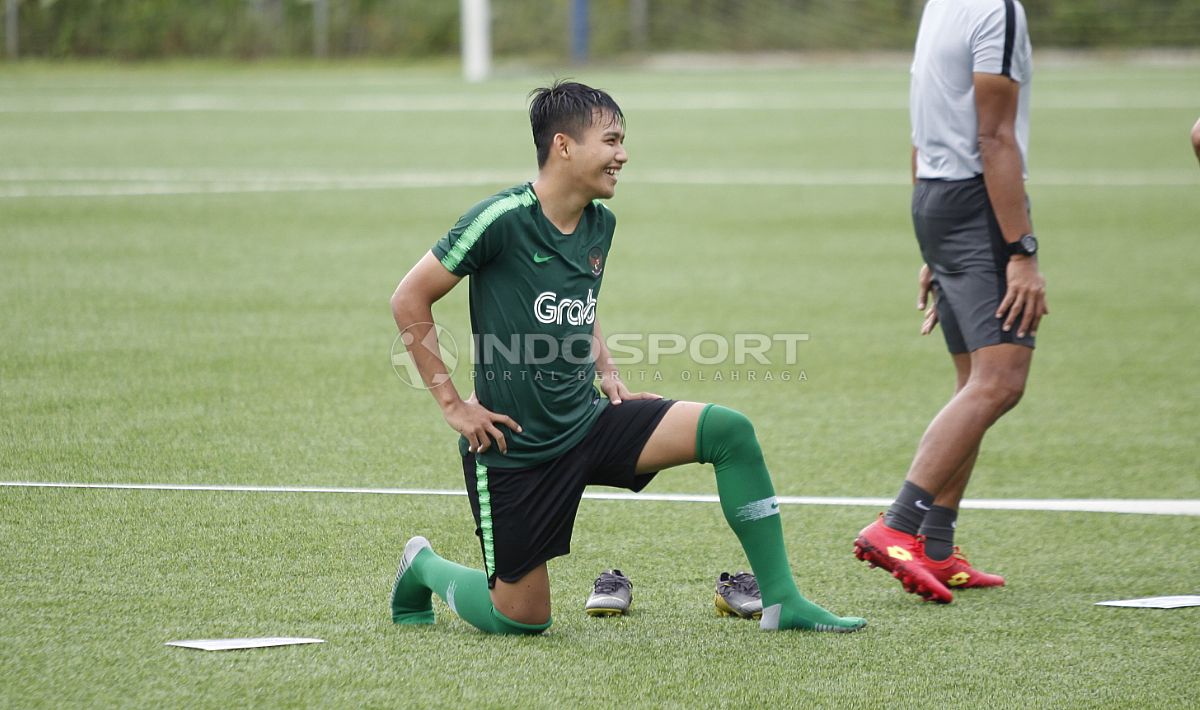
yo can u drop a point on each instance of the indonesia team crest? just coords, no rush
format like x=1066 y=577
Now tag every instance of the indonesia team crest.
x=596 y=261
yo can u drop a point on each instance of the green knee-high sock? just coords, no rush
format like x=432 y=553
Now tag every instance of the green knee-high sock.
x=726 y=438
x=466 y=592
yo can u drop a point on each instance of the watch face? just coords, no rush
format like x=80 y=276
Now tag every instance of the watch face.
x=1029 y=243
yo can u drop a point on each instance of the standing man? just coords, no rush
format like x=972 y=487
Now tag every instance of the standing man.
x=969 y=105
x=536 y=431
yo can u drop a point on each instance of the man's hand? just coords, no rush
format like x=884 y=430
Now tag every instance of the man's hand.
x=926 y=294
x=617 y=392
x=478 y=424
x=1026 y=296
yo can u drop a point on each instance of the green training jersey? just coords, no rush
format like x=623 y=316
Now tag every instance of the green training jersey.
x=533 y=294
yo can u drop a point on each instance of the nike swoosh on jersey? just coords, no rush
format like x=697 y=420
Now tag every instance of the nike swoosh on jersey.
x=539 y=259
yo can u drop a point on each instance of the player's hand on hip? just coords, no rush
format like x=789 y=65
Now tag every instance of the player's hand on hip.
x=478 y=424
x=617 y=392
x=1026 y=296
x=927 y=299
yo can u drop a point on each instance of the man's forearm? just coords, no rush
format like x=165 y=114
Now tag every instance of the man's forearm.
x=603 y=359
x=421 y=340
x=1003 y=176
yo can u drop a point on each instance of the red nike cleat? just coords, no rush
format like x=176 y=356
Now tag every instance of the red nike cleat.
x=904 y=556
x=956 y=572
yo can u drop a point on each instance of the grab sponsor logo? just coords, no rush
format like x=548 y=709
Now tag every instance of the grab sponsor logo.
x=548 y=308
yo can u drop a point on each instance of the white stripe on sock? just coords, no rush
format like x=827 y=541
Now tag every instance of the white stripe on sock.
x=759 y=509
x=770 y=618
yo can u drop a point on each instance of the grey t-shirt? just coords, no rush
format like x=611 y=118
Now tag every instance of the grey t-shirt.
x=956 y=39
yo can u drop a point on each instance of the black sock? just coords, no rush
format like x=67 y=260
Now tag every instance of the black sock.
x=938 y=529
x=909 y=508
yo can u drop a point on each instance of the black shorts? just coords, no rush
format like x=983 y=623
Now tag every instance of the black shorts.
x=962 y=244
x=524 y=516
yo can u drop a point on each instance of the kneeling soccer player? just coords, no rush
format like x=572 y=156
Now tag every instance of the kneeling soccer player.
x=536 y=432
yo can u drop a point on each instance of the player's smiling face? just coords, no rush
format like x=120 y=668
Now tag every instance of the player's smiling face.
x=600 y=154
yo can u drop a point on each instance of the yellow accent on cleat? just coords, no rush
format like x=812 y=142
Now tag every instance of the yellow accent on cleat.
x=723 y=609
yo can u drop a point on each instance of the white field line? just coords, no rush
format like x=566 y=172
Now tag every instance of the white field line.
x=1072 y=505
x=884 y=100
x=140 y=182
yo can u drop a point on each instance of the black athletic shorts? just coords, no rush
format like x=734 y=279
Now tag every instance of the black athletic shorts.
x=961 y=242
x=524 y=516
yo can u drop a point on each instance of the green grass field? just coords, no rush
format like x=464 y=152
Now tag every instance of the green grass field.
x=195 y=265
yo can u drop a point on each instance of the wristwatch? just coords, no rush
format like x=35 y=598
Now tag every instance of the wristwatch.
x=1025 y=246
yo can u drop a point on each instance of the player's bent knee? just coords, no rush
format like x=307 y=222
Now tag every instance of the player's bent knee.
x=723 y=433
x=505 y=625
x=1001 y=394
x=1011 y=395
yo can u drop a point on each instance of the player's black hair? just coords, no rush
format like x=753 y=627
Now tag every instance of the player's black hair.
x=566 y=107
